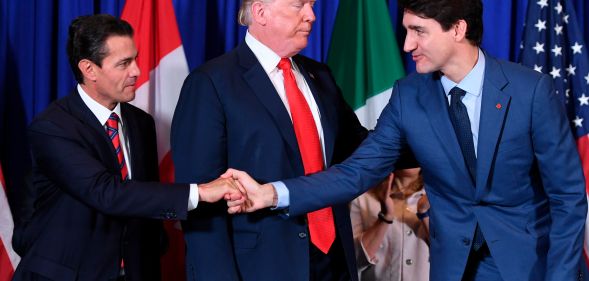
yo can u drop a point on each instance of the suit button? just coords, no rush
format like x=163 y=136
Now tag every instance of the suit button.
x=466 y=241
x=409 y=232
x=302 y=235
x=409 y=261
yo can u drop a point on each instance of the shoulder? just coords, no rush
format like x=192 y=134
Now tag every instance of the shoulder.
x=514 y=72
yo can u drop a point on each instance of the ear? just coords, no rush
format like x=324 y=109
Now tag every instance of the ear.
x=460 y=28
x=88 y=69
x=258 y=12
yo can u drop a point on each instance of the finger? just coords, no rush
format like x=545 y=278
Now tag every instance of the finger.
x=234 y=210
x=233 y=203
x=229 y=173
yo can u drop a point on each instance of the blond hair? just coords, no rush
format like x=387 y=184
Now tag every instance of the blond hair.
x=244 y=17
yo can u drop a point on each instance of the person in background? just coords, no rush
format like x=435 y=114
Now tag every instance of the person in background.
x=391 y=240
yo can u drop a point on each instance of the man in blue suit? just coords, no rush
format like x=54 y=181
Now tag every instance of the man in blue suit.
x=241 y=110
x=500 y=165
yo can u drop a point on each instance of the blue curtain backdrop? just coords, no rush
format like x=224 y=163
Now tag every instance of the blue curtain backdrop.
x=34 y=70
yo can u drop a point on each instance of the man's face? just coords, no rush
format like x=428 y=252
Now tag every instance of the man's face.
x=289 y=23
x=431 y=47
x=115 y=80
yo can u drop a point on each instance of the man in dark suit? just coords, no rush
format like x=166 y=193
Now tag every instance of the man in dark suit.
x=95 y=171
x=499 y=162
x=239 y=110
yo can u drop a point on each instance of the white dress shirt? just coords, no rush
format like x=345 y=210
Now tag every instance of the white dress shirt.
x=102 y=114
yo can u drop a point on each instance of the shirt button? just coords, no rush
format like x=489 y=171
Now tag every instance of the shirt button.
x=409 y=232
x=302 y=235
x=409 y=261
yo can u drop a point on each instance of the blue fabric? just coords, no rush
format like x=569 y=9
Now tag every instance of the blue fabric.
x=529 y=197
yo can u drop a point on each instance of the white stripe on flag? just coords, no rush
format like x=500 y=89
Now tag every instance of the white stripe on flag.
x=7 y=227
x=368 y=114
x=159 y=95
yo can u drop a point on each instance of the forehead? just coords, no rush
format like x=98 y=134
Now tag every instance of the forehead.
x=411 y=20
x=120 y=47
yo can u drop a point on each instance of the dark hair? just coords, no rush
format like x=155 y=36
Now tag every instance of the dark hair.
x=87 y=37
x=448 y=12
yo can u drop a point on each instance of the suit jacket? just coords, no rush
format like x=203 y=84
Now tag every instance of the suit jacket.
x=529 y=197
x=230 y=115
x=85 y=218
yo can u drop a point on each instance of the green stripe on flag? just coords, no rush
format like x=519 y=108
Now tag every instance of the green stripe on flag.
x=364 y=55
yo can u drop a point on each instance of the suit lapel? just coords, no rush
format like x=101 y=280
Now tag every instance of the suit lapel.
x=435 y=104
x=326 y=113
x=132 y=134
x=494 y=106
x=264 y=90
x=84 y=114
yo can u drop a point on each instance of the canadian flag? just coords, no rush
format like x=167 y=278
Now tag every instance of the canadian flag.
x=8 y=258
x=163 y=69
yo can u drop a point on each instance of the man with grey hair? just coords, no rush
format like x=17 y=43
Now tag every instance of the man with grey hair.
x=275 y=114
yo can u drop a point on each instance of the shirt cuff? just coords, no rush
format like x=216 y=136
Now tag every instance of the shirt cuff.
x=193 y=197
x=283 y=195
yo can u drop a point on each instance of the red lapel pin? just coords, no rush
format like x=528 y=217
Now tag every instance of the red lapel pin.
x=498 y=106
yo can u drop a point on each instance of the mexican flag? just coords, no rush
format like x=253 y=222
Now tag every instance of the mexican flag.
x=364 y=57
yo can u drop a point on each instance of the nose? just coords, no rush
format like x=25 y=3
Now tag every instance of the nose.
x=409 y=45
x=134 y=70
x=309 y=15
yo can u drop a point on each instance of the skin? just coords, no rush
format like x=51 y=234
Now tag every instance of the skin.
x=114 y=81
x=434 y=49
x=283 y=25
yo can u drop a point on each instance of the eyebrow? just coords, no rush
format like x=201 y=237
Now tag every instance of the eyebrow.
x=415 y=27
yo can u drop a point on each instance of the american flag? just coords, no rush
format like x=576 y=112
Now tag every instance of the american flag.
x=553 y=44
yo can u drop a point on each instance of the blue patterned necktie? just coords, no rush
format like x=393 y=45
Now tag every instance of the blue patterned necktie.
x=461 y=124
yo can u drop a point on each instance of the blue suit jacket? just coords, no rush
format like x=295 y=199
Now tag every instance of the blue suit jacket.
x=85 y=219
x=229 y=115
x=529 y=198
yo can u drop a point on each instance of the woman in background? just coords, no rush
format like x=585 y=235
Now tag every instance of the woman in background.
x=390 y=229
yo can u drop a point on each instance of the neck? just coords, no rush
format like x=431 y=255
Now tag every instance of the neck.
x=462 y=63
x=93 y=93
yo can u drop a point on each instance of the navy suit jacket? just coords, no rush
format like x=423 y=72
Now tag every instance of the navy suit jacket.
x=230 y=115
x=529 y=198
x=85 y=219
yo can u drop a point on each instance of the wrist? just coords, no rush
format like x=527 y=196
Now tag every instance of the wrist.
x=271 y=198
x=383 y=218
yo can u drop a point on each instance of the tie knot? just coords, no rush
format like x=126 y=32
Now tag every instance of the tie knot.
x=284 y=64
x=457 y=92
x=113 y=120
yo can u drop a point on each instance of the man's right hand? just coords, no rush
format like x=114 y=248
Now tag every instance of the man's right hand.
x=257 y=196
x=221 y=188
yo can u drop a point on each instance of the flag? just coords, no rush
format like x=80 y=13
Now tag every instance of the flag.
x=163 y=69
x=364 y=57
x=553 y=44
x=8 y=258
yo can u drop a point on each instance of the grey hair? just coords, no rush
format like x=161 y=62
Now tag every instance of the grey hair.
x=244 y=17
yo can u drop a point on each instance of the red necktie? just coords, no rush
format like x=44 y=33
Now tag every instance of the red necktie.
x=321 y=226
x=112 y=129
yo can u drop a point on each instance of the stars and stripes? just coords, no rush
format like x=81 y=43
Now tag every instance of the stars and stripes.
x=553 y=44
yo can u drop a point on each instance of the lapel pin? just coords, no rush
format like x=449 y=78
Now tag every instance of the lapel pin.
x=498 y=106
x=311 y=75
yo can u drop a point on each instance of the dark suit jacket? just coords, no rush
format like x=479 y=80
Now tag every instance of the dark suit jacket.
x=230 y=115
x=529 y=198
x=85 y=218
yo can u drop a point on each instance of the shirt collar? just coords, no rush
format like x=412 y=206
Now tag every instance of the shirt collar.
x=267 y=58
x=472 y=82
x=102 y=113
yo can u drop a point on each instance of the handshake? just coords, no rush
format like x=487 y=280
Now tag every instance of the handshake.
x=242 y=192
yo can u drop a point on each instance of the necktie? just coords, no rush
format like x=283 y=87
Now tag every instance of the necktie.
x=321 y=225
x=461 y=124
x=112 y=129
